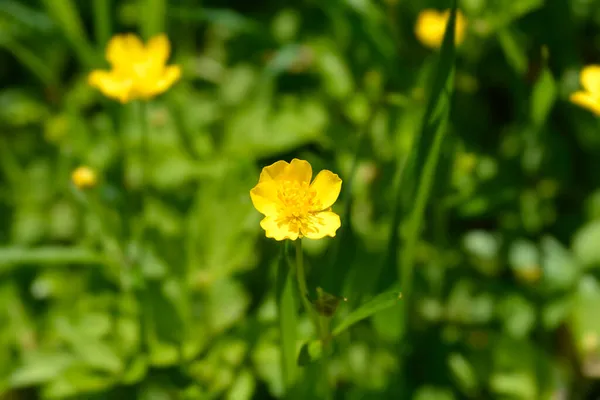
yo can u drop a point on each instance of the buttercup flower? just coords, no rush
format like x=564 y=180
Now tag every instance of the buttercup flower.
x=84 y=177
x=589 y=97
x=431 y=25
x=137 y=71
x=293 y=206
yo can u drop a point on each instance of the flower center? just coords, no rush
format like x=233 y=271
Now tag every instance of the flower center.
x=297 y=206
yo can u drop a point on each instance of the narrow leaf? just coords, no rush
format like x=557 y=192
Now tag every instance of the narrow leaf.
x=376 y=304
x=43 y=256
x=67 y=18
x=153 y=17
x=427 y=152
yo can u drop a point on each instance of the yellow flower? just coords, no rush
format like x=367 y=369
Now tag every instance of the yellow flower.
x=137 y=71
x=84 y=177
x=431 y=25
x=589 y=97
x=293 y=206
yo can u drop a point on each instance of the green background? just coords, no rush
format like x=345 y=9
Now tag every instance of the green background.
x=483 y=199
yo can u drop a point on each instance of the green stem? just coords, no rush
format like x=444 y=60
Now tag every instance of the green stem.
x=325 y=336
x=301 y=278
x=286 y=309
x=139 y=232
x=320 y=323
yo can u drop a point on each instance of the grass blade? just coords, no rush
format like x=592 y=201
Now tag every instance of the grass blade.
x=422 y=166
x=376 y=304
x=67 y=18
x=153 y=17
x=44 y=256
x=102 y=22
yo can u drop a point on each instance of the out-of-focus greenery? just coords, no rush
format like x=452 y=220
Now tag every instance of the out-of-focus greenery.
x=505 y=294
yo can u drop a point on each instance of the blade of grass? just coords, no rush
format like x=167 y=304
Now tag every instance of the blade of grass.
x=286 y=310
x=426 y=152
x=102 y=22
x=421 y=169
x=66 y=16
x=376 y=304
x=46 y=256
x=152 y=17
x=344 y=250
x=314 y=350
x=31 y=61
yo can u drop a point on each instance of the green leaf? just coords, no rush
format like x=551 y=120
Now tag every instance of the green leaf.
x=423 y=160
x=513 y=50
x=310 y=352
x=40 y=368
x=585 y=244
x=152 y=17
x=163 y=311
x=46 y=256
x=67 y=18
x=463 y=372
x=286 y=309
x=376 y=304
x=243 y=388
x=543 y=97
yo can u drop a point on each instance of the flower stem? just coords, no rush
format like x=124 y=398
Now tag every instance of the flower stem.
x=140 y=228
x=320 y=323
x=301 y=278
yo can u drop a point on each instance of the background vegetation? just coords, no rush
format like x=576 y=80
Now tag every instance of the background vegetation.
x=505 y=288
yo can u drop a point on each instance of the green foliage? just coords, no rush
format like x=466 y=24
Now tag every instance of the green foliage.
x=470 y=187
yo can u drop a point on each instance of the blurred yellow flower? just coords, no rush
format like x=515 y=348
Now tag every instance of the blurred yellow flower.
x=293 y=206
x=589 y=97
x=137 y=71
x=431 y=25
x=84 y=177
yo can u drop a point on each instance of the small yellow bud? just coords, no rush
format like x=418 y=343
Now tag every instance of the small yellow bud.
x=84 y=177
x=431 y=26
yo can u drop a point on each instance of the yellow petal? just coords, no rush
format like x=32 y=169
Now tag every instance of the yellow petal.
x=124 y=49
x=590 y=79
x=158 y=49
x=327 y=186
x=278 y=231
x=264 y=198
x=171 y=75
x=586 y=100
x=299 y=170
x=325 y=223
x=111 y=85
x=272 y=171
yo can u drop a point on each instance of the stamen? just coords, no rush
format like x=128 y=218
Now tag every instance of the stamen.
x=298 y=207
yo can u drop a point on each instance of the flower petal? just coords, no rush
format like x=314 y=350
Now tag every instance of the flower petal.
x=158 y=49
x=325 y=223
x=111 y=85
x=299 y=170
x=123 y=49
x=327 y=186
x=277 y=231
x=590 y=79
x=586 y=100
x=152 y=88
x=272 y=171
x=264 y=198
